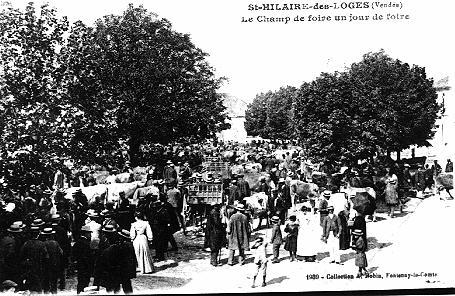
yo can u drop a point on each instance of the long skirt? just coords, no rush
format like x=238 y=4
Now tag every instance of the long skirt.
x=361 y=259
x=291 y=243
x=391 y=194
x=143 y=254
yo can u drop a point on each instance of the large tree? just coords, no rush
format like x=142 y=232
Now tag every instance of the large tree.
x=270 y=114
x=152 y=84
x=397 y=102
x=32 y=120
x=378 y=104
x=87 y=93
x=256 y=115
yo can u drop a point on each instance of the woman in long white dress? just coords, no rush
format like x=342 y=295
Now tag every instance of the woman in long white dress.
x=141 y=234
x=308 y=240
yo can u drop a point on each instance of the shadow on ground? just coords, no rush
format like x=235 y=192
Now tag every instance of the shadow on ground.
x=277 y=280
x=373 y=243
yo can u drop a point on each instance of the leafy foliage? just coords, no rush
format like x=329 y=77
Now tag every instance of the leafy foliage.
x=144 y=81
x=88 y=93
x=270 y=114
x=379 y=104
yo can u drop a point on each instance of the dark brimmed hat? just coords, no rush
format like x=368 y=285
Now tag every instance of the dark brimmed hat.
x=47 y=231
x=124 y=233
x=357 y=232
x=109 y=229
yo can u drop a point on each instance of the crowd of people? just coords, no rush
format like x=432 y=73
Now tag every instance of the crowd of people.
x=43 y=235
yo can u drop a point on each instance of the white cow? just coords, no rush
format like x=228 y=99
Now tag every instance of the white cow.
x=112 y=191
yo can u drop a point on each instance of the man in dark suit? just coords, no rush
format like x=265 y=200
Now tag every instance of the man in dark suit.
x=54 y=261
x=234 y=193
x=121 y=264
x=169 y=173
x=331 y=232
x=215 y=234
x=244 y=186
x=61 y=236
x=34 y=257
x=9 y=253
x=238 y=231
x=82 y=258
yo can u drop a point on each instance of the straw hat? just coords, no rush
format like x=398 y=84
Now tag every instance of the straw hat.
x=48 y=192
x=34 y=228
x=37 y=223
x=14 y=229
x=47 y=231
x=357 y=232
x=8 y=284
x=56 y=217
x=326 y=193
x=92 y=213
x=275 y=219
x=85 y=228
x=106 y=213
x=124 y=233
x=20 y=224
x=109 y=229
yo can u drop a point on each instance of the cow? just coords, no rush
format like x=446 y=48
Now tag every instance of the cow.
x=258 y=204
x=111 y=190
x=301 y=191
x=444 y=181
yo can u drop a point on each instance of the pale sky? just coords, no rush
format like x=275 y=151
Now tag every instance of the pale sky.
x=258 y=57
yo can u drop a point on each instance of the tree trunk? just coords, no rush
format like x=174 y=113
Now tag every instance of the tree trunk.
x=134 y=145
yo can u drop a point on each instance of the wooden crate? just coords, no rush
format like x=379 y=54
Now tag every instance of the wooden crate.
x=205 y=193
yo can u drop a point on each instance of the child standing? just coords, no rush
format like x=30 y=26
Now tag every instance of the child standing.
x=276 y=238
x=292 y=228
x=359 y=245
x=260 y=259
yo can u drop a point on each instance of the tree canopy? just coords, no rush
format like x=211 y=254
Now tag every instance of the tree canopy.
x=378 y=104
x=270 y=114
x=86 y=93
